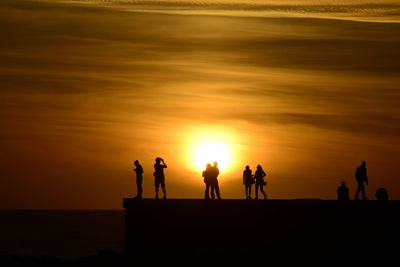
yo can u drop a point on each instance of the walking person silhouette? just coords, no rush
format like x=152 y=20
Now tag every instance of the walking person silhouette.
x=361 y=177
x=207 y=180
x=139 y=178
x=259 y=177
x=248 y=180
x=214 y=172
x=159 y=178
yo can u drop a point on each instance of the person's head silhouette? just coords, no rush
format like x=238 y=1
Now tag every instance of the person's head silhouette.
x=247 y=167
x=259 y=167
x=215 y=164
x=208 y=165
x=364 y=163
x=158 y=160
x=136 y=162
x=343 y=184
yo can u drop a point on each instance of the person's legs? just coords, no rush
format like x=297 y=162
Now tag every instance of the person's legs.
x=249 y=191
x=262 y=191
x=357 y=192
x=363 y=191
x=256 y=191
x=217 y=189
x=139 y=188
x=207 y=193
x=212 y=190
x=156 y=186
x=164 y=191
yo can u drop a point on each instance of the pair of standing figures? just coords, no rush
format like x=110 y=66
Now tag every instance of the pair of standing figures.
x=159 y=177
x=258 y=179
x=210 y=175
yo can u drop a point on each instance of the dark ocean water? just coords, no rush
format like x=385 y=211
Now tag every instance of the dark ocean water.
x=67 y=234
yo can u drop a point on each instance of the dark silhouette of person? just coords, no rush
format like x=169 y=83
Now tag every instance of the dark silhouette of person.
x=382 y=194
x=343 y=192
x=248 y=180
x=207 y=180
x=159 y=178
x=361 y=177
x=139 y=178
x=259 y=177
x=214 y=172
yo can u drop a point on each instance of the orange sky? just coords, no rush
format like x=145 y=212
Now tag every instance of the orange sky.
x=85 y=90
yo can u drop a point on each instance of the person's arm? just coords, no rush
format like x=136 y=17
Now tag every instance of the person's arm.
x=165 y=165
x=366 y=177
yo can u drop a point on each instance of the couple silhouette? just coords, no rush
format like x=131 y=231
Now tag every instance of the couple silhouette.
x=210 y=175
x=258 y=179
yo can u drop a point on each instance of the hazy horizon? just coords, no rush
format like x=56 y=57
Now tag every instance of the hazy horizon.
x=308 y=89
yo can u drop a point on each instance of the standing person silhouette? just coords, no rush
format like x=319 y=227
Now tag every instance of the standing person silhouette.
x=361 y=177
x=259 y=176
x=207 y=180
x=343 y=192
x=159 y=178
x=248 y=180
x=139 y=179
x=214 y=172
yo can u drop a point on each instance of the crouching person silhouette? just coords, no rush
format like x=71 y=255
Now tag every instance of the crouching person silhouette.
x=159 y=178
x=343 y=192
x=382 y=194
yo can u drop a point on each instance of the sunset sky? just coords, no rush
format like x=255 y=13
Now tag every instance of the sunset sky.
x=307 y=89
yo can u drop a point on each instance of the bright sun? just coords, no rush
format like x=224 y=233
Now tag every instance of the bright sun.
x=210 y=151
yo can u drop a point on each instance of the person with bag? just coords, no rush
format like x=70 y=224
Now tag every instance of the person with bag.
x=259 y=177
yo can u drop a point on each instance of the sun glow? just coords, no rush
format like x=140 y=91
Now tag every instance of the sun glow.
x=210 y=151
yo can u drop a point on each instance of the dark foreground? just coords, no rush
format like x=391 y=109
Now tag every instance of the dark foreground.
x=227 y=232
x=273 y=232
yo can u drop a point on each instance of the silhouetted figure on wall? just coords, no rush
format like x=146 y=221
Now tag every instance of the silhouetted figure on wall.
x=159 y=178
x=343 y=192
x=214 y=172
x=207 y=180
x=259 y=177
x=361 y=177
x=248 y=180
x=382 y=194
x=139 y=178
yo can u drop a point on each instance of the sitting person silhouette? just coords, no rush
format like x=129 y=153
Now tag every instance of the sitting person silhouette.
x=361 y=177
x=259 y=177
x=248 y=180
x=382 y=194
x=207 y=180
x=343 y=192
x=159 y=178
x=214 y=172
x=139 y=178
